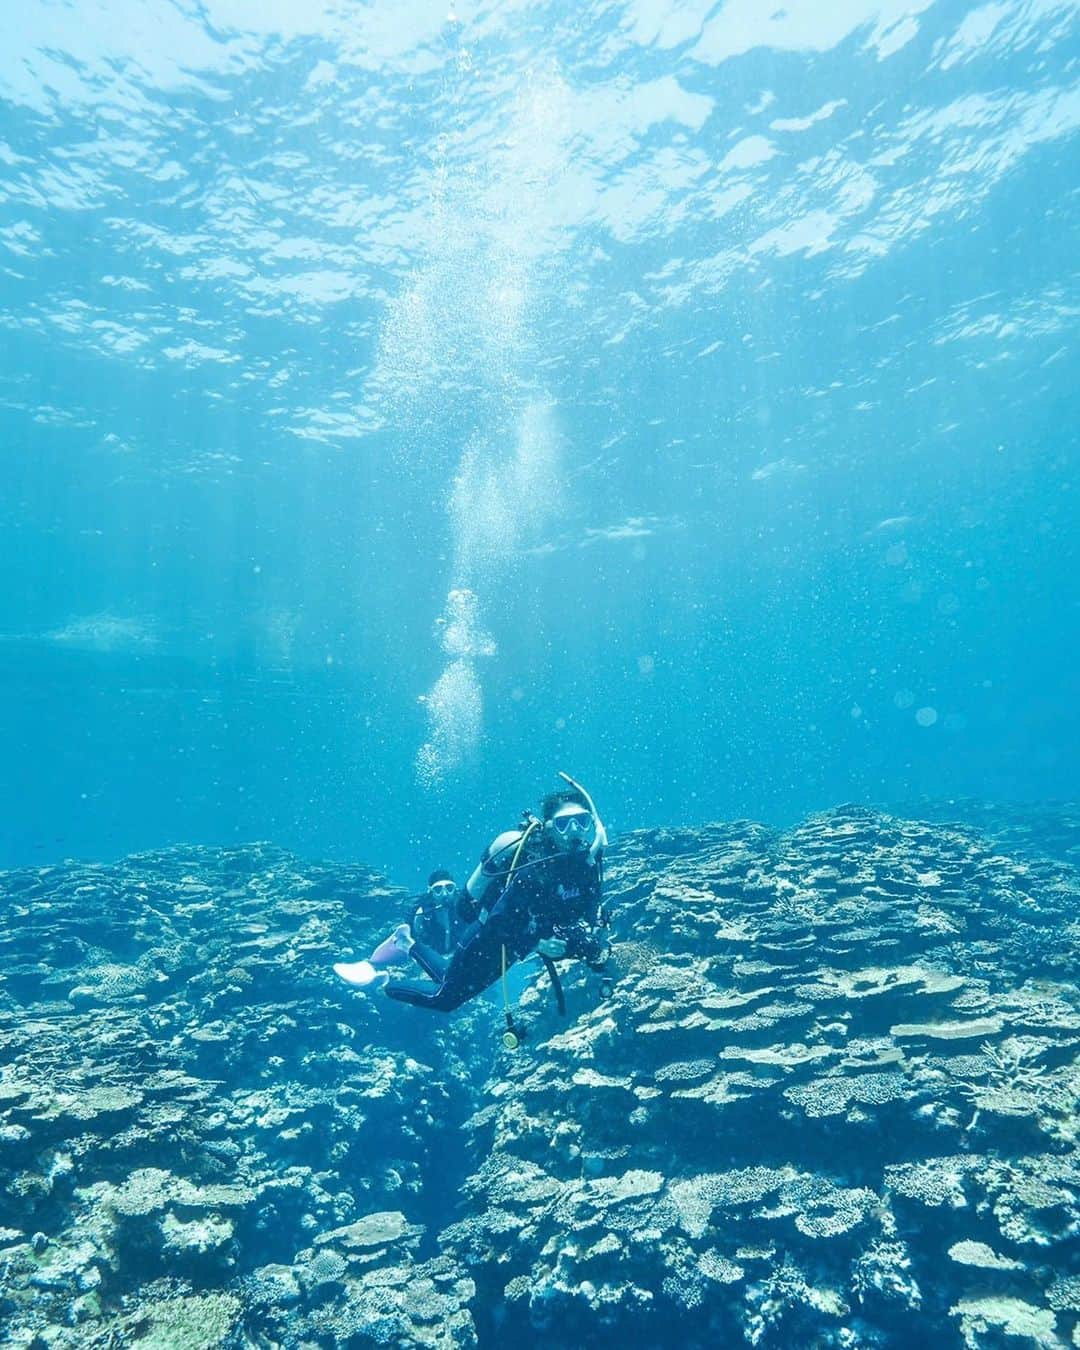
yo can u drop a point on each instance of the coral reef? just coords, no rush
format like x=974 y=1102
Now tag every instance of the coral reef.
x=828 y=1095
x=203 y=1135
x=846 y=1058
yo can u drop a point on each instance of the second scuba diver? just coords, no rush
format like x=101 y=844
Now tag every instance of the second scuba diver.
x=536 y=888
x=439 y=917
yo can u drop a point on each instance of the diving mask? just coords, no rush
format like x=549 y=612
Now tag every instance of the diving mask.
x=573 y=821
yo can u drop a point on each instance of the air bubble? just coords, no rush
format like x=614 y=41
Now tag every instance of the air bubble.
x=455 y=720
x=498 y=504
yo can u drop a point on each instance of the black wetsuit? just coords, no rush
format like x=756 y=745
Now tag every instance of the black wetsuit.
x=440 y=924
x=550 y=894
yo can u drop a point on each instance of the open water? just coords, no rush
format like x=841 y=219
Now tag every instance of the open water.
x=398 y=405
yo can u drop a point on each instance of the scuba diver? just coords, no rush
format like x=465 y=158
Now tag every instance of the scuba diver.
x=536 y=888
x=439 y=918
x=442 y=913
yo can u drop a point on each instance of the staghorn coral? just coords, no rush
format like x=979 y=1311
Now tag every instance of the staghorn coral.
x=1009 y=1081
x=781 y=1301
x=884 y=1271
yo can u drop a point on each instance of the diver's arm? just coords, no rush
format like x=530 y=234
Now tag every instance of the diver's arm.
x=465 y=907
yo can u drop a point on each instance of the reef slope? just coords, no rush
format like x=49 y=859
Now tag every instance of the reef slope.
x=830 y=1098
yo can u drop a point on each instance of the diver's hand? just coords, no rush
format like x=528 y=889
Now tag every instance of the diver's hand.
x=599 y=962
x=553 y=948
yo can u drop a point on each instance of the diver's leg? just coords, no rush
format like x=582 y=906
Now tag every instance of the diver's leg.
x=474 y=967
x=395 y=950
x=429 y=961
x=426 y=995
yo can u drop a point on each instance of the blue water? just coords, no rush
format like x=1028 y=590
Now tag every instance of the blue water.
x=397 y=407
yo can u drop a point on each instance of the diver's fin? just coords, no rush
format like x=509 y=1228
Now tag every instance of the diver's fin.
x=394 y=950
x=361 y=974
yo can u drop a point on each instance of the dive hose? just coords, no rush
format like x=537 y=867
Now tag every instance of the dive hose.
x=510 y=1037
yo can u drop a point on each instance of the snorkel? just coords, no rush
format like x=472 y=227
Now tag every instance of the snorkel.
x=600 y=839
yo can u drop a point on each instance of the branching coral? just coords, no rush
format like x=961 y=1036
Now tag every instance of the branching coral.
x=938 y=1181
x=784 y=1293
x=1034 y=1200
x=1014 y=1083
x=885 y=1269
